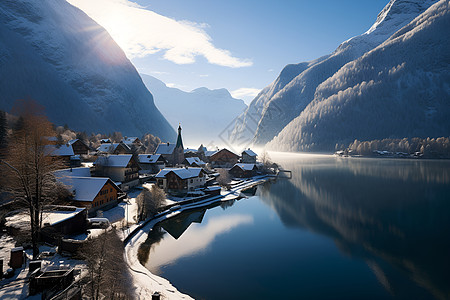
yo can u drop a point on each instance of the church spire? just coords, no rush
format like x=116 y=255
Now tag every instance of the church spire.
x=179 y=140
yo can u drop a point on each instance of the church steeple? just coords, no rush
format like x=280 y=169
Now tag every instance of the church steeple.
x=179 y=140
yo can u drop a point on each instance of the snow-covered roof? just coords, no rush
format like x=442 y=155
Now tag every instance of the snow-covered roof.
x=108 y=148
x=105 y=141
x=245 y=167
x=129 y=140
x=183 y=173
x=63 y=150
x=210 y=153
x=56 y=216
x=85 y=188
x=148 y=158
x=81 y=172
x=190 y=150
x=116 y=161
x=249 y=152
x=196 y=160
x=165 y=148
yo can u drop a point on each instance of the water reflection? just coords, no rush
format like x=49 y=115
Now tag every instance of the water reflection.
x=391 y=213
x=159 y=250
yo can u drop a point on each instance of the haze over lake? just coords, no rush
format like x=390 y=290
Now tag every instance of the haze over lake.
x=344 y=228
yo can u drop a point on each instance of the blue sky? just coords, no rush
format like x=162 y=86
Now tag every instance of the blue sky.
x=231 y=44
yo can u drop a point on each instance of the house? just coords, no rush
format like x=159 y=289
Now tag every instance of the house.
x=180 y=179
x=64 y=152
x=248 y=157
x=105 y=141
x=116 y=148
x=223 y=158
x=151 y=163
x=242 y=170
x=65 y=219
x=134 y=144
x=194 y=162
x=122 y=169
x=173 y=153
x=94 y=193
x=79 y=147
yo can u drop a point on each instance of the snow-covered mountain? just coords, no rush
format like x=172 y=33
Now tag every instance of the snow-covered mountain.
x=204 y=114
x=282 y=101
x=54 y=53
x=399 y=89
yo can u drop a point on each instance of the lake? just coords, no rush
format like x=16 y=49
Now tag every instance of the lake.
x=341 y=228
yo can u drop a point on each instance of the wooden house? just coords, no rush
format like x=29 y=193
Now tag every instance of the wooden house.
x=151 y=163
x=122 y=169
x=134 y=144
x=223 y=158
x=181 y=179
x=94 y=193
x=243 y=170
x=248 y=157
x=194 y=162
x=79 y=147
x=63 y=152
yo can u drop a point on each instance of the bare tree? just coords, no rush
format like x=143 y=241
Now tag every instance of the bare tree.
x=29 y=169
x=149 y=201
x=107 y=270
x=224 y=178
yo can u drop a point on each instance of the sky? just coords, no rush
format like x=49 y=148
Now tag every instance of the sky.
x=240 y=45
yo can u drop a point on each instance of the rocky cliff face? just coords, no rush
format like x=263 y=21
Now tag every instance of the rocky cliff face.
x=54 y=53
x=278 y=104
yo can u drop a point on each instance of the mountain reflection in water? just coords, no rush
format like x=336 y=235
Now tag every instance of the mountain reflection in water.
x=392 y=213
x=160 y=250
x=341 y=228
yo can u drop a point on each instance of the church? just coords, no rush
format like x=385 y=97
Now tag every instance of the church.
x=173 y=153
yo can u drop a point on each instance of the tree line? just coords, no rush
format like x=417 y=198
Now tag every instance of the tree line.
x=425 y=147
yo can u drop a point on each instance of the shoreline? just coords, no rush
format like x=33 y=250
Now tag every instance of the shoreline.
x=146 y=283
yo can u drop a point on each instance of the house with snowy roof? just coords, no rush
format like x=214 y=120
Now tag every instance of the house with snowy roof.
x=63 y=152
x=180 y=179
x=242 y=170
x=122 y=169
x=248 y=156
x=151 y=163
x=94 y=193
x=223 y=158
x=134 y=144
x=79 y=147
x=105 y=141
x=173 y=153
x=114 y=148
x=194 y=162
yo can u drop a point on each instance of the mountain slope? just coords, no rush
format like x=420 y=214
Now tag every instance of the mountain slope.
x=279 y=104
x=399 y=89
x=204 y=114
x=54 y=53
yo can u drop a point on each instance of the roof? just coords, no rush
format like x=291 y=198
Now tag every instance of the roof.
x=224 y=149
x=83 y=172
x=196 y=160
x=129 y=140
x=183 y=173
x=108 y=148
x=148 y=158
x=63 y=150
x=210 y=153
x=105 y=140
x=85 y=188
x=190 y=150
x=56 y=216
x=245 y=167
x=165 y=148
x=249 y=152
x=114 y=161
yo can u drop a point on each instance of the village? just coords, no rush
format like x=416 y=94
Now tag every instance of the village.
x=119 y=186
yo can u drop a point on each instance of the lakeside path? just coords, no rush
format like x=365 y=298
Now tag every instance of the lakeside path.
x=144 y=282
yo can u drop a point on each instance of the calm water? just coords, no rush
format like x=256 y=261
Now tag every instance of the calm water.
x=340 y=229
